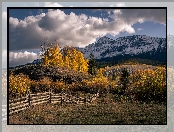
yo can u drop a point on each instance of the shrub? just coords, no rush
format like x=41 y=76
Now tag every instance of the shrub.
x=57 y=87
x=124 y=79
x=34 y=87
x=56 y=73
x=18 y=85
x=149 y=85
x=96 y=85
x=114 y=88
x=74 y=87
x=42 y=85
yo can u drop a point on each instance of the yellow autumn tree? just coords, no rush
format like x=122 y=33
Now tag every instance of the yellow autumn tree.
x=66 y=62
x=100 y=73
x=74 y=59
x=82 y=62
x=19 y=85
x=53 y=56
x=70 y=58
x=56 y=56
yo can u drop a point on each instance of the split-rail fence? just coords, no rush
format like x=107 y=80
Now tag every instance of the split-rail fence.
x=30 y=100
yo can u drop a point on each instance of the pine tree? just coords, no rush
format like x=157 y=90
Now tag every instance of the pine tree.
x=124 y=79
x=92 y=65
x=114 y=76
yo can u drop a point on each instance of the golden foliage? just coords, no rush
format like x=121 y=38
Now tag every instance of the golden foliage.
x=57 y=87
x=71 y=58
x=149 y=84
x=18 y=85
x=53 y=56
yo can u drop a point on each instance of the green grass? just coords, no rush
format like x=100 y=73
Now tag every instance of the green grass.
x=104 y=111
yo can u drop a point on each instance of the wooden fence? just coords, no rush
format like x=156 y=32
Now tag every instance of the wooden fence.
x=23 y=103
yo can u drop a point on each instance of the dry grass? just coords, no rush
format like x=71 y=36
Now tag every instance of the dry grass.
x=104 y=111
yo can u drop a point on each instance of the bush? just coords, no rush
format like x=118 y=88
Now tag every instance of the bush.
x=124 y=79
x=34 y=87
x=56 y=73
x=18 y=85
x=45 y=84
x=96 y=85
x=114 y=88
x=149 y=85
x=42 y=85
x=57 y=87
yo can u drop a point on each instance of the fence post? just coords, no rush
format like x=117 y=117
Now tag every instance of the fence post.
x=29 y=99
x=77 y=98
x=61 y=100
x=50 y=95
x=84 y=98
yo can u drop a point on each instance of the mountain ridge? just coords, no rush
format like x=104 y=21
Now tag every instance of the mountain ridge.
x=136 y=46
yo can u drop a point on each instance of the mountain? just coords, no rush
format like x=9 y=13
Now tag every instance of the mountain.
x=38 y=61
x=136 y=46
x=35 y=62
x=129 y=47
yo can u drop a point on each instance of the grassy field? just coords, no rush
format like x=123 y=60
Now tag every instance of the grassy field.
x=145 y=83
x=103 y=111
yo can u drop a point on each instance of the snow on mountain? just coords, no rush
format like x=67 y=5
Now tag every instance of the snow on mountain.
x=136 y=45
x=131 y=45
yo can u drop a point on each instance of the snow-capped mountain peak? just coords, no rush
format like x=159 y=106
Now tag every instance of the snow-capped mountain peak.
x=128 y=45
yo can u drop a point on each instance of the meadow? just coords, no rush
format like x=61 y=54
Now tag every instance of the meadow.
x=103 y=111
x=140 y=103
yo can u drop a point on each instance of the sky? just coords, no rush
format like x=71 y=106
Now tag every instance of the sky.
x=75 y=27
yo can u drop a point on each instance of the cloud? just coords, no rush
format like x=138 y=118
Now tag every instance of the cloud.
x=139 y=29
x=75 y=30
x=21 y=58
x=169 y=5
x=52 y=4
x=132 y=16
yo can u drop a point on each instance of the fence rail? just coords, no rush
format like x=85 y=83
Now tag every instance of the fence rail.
x=23 y=103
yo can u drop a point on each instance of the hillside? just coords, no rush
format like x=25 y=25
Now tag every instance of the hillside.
x=36 y=72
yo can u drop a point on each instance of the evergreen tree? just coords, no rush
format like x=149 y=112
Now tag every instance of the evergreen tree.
x=124 y=79
x=114 y=76
x=92 y=65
